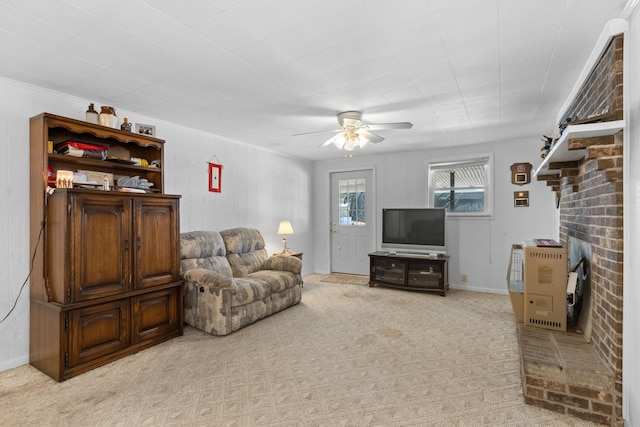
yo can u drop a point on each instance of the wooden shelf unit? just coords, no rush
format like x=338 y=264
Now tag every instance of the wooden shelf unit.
x=106 y=272
x=407 y=272
x=562 y=152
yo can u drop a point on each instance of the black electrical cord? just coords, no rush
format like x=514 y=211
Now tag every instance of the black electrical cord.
x=33 y=258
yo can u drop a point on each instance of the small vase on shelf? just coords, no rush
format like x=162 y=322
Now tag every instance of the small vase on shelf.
x=108 y=117
x=126 y=125
x=91 y=114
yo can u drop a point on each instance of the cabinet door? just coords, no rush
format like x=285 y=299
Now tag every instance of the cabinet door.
x=425 y=274
x=156 y=247
x=97 y=331
x=389 y=271
x=157 y=315
x=100 y=250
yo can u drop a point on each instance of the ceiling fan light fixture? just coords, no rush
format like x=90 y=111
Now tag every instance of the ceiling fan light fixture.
x=352 y=139
x=351 y=143
x=354 y=133
x=362 y=141
x=339 y=140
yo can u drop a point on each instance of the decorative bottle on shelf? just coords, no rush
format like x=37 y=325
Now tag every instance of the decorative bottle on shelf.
x=108 y=117
x=126 y=125
x=105 y=184
x=91 y=114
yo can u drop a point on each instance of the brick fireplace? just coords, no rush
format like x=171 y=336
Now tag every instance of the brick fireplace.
x=589 y=192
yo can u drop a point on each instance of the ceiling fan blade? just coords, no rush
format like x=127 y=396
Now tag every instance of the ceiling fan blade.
x=382 y=126
x=317 y=131
x=372 y=137
x=330 y=140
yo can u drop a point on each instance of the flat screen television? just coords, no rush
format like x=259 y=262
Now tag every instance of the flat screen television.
x=415 y=230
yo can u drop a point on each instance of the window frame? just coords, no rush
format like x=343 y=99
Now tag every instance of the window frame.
x=487 y=159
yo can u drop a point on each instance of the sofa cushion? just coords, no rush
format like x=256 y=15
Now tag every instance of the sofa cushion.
x=248 y=290
x=241 y=240
x=203 y=249
x=283 y=263
x=278 y=280
x=207 y=278
x=245 y=250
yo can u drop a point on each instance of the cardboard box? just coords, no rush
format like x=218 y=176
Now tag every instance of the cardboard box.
x=545 y=287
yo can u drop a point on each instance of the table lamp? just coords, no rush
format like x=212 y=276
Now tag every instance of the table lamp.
x=284 y=229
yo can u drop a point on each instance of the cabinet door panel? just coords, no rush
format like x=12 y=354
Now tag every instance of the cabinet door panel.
x=156 y=254
x=156 y=315
x=389 y=271
x=100 y=251
x=425 y=275
x=97 y=331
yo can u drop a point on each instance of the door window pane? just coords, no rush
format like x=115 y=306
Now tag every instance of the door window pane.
x=352 y=201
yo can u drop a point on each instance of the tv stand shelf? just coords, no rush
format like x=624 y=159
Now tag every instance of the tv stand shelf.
x=412 y=273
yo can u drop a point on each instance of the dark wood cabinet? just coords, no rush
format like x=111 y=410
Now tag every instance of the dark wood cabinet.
x=96 y=331
x=409 y=272
x=106 y=275
x=156 y=224
x=156 y=315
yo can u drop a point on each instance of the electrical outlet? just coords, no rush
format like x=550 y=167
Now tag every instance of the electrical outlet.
x=464 y=278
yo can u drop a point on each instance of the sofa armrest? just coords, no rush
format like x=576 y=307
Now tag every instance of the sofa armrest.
x=283 y=263
x=208 y=278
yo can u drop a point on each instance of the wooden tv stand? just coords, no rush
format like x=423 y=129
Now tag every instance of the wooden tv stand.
x=411 y=272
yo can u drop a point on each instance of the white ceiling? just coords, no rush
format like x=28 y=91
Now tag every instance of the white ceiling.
x=257 y=71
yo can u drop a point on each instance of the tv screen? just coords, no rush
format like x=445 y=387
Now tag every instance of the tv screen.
x=417 y=229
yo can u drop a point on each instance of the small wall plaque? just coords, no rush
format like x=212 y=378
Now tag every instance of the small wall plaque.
x=215 y=177
x=521 y=173
x=521 y=199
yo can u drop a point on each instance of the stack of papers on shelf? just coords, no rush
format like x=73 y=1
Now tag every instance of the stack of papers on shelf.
x=82 y=149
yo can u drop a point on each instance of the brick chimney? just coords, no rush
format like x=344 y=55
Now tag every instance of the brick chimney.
x=590 y=200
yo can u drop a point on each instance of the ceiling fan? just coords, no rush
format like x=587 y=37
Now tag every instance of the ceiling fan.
x=353 y=133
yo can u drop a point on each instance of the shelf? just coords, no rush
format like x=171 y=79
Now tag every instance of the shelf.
x=103 y=132
x=560 y=151
x=102 y=164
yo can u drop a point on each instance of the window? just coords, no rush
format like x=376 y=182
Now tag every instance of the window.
x=461 y=187
x=352 y=201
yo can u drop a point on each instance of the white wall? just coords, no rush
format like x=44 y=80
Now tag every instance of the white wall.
x=259 y=188
x=631 y=302
x=479 y=248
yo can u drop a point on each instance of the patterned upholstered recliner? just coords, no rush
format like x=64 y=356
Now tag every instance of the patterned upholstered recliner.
x=231 y=281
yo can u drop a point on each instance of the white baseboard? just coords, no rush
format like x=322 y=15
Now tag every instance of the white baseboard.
x=14 y=363
x=478 y=289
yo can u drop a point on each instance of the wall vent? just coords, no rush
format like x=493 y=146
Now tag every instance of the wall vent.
x=547 y=323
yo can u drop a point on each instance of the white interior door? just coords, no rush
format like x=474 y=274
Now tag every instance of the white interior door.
x=352 y=221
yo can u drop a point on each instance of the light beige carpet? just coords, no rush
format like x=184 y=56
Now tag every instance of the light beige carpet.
x=344 y=356
x=350 y=279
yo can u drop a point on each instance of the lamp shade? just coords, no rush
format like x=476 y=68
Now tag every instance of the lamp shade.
x=285 y=228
